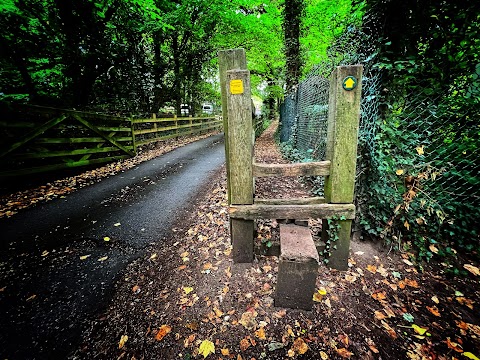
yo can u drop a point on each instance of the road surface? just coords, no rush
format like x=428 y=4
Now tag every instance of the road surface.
x=56 y=269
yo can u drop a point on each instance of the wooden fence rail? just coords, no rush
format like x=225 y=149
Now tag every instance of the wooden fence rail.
x=40 y=139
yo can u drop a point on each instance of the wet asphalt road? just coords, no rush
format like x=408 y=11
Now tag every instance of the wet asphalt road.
x=47 y=292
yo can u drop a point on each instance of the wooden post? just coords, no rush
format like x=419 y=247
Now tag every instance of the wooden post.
x=342 y=138
x=239 y=155
x=229 y=60
x=134 y=144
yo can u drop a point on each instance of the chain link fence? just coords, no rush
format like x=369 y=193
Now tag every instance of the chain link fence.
x=418 y=157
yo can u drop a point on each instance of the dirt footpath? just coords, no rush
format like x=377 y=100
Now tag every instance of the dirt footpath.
x=186 y=299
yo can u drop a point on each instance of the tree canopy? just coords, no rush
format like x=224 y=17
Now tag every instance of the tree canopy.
x=138 y=56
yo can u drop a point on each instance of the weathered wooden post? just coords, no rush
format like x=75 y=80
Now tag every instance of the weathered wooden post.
x=237 y=116
x=342 y=138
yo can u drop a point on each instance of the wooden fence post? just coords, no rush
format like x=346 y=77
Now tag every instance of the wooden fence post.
x=240 y=155
x=229 y=60
x=342 y=138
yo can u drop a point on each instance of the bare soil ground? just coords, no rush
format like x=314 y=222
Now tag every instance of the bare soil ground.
x=186 y=299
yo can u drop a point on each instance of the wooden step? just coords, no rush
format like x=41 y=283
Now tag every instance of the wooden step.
x=298 y=267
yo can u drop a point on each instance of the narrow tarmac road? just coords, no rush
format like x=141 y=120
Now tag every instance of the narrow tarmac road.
x=56 y=269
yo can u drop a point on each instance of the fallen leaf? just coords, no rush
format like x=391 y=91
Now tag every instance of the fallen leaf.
x=380 y=315
x=411 y=283
x=117 y=224
x=372 y=268
x=379 y=296
x=244 y=344
x=408 y=262
x=323 y=355
x=390 y=331
x=419 y=330
x=473 y=269
x=83 y=257
x=153 y=256
x=123 y=340
x=207 y=266
x=372 y=345
x=225 y=352
x=454 y=346
x=162 y=332
x=435 y=299
x=192 y=326
x=344 y=353
x=317 y=297
x=434 y=310
x=420 y=149
x=350 y=278
x=260 y=333
x=248 y=320
x=103 y=258
x=280 y=313
x=464 y=301
x=187 y=290
x=433 y=249
x=136 y=289
x=470 y=355
x=106 y=238
x=206 y=348
x=399 y=172
x=275 y=346
x=300 y=346
x=30 y=298
x=45 y=253
x=290 y=353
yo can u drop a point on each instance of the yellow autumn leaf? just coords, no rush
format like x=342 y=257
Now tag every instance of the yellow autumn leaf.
x=187 y=290
x=323 y=355
x=206 y=348
x=225 y=352
x=470 y=355
x=106 y=238
x=123 y=340
x=83 y=257
x=435 y=299
x=317 y=297
x=153 y=256
x=419 y=330
x=117 y=224
x=399 y=172
x=260 y=333
x=406 y=224
x=103 y=258
x=420 y=150
x=433 y=249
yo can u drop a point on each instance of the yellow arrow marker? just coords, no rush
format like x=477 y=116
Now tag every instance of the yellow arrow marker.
x=349 y=83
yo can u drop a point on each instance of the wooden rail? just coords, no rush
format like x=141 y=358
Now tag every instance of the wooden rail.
x=321 y=168
x=38 y=139
x=316 y=211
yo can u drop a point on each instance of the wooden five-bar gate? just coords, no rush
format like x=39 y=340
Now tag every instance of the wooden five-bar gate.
x=39 y=139
x=338 y=169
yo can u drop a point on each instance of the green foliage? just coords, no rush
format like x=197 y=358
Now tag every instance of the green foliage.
x=332 y=230
x=423 y=180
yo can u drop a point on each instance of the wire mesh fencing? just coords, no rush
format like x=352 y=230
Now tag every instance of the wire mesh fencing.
x=418 y=159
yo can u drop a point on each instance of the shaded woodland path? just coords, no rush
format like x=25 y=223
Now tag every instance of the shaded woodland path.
x=59 y=261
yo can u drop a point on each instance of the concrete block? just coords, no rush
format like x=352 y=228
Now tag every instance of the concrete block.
x=297 y=270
